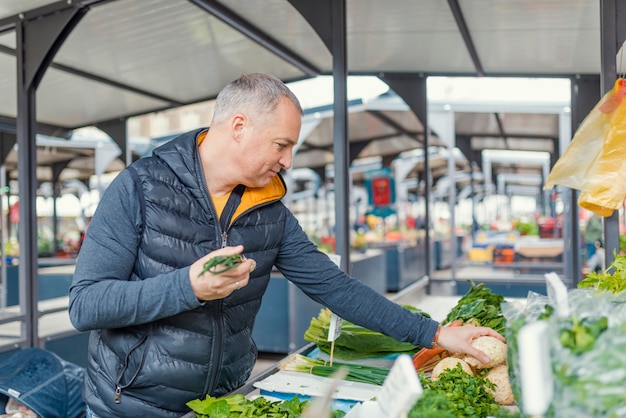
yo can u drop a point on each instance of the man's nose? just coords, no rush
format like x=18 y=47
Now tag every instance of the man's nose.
x=286 y=160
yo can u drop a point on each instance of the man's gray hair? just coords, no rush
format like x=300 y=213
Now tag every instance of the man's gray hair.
x=258 y=93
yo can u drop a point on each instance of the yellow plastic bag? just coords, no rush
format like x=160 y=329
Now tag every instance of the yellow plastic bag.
x=595 y=160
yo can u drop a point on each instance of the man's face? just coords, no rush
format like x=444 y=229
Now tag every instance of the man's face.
x=267 y=144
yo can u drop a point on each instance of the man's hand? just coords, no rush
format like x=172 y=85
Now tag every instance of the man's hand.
x=210 y=286
x=459 y=340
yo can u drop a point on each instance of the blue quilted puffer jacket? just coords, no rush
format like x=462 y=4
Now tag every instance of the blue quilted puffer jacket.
x=208 y=350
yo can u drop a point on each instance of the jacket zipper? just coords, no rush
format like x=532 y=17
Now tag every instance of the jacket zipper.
x=223 y=224
x=217 y=352
x=119 y=386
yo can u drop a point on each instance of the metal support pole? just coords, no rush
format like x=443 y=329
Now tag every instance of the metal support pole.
x=3 y=238
x=613 y=35
x=27 y=173
x=38 y=40
x=340 y=133
x=412 y=89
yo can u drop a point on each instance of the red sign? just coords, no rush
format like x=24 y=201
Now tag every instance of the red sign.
x=381 y=191
x=14 y=212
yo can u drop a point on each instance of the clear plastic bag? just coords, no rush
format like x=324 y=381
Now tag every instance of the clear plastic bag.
x=591 y=383
x=595 y=160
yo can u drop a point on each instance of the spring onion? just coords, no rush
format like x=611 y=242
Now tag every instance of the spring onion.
x=356 y=372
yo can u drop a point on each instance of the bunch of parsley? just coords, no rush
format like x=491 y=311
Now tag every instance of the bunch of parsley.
x=455 y=394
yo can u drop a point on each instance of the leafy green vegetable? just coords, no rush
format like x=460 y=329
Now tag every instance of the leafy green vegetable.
x=480 y=305
x=612 y=279
x=549 y=311
x=237 y=406
x=592 y=383
x=355 y=341
x=508 y=413
x=432 y=404
x=581 y=335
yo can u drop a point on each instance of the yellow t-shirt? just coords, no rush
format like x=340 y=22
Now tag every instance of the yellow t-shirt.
x=251 y=197
x=219 y=202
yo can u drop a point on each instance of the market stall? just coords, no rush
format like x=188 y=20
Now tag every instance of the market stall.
x=512 y=264
x=54 y=280
x=405 y=262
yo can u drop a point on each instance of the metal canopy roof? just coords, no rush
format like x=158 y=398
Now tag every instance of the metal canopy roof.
x=129 y=57
x=61 y=160
x=373 y=132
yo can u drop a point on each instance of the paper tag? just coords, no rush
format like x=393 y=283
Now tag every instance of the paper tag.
x=401 y=389
x=535 y=368
x=557 y=295
x=334 y=328
x=13 y=392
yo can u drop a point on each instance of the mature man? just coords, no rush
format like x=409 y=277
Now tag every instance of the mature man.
x=162 y=332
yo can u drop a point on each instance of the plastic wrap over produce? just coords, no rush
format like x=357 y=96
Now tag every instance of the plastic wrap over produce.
x=595 y=160
x=586 y=352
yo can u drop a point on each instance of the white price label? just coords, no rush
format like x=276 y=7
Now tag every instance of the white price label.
x=334 y=328
x=535 y=368
x=402 y=388
x=557 y=294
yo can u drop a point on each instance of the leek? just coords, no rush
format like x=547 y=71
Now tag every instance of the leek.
x=355 y=342
x=356 y=372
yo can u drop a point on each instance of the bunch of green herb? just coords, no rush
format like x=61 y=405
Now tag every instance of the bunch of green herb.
x=612 y=279
x=592 y=383
x=227 y=262
x=238 y=406
x=480 y=306
x=580 y=335
x=466 y=395
x=432 y=404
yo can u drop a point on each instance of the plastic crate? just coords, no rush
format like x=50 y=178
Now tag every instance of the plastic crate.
x=503 y=254
x=480 y=254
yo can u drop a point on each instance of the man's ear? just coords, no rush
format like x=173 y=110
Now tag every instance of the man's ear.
x=238 y=124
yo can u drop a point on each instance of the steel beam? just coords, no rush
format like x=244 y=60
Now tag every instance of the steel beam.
x=38 y=40
x=246 y=28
